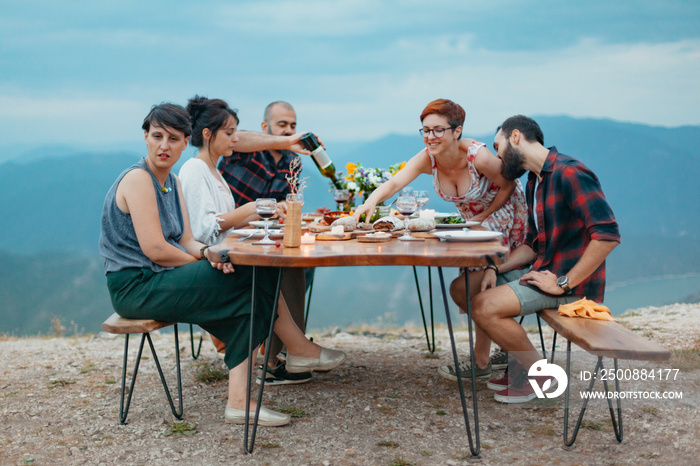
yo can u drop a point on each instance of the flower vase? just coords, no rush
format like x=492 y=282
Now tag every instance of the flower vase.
x=292 y=223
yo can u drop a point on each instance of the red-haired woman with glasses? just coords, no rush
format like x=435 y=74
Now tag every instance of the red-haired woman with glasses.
x=466 y=173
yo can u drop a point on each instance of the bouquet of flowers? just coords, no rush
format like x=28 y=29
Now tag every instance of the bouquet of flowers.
x=363 y=181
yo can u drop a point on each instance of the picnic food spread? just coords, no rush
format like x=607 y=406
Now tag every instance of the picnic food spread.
x=585 y=308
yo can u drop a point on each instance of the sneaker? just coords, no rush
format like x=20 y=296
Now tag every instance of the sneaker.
x=499 y=359
x=520 y=390
x=499 y=384
x=280 y=376
x=465 y=371
x=505 y=381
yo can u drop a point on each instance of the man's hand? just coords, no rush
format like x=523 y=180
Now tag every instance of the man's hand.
x=488 y=280
x=295 y=144
x=544 y=280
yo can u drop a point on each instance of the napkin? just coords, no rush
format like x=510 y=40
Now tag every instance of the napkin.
x=585 y=308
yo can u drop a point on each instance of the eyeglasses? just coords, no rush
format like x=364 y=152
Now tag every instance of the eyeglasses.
x=437 y=132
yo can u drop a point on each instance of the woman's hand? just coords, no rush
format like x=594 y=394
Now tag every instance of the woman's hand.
x=480 y=217
x=225 y=267
x=219 y=259
x=281 y=210
x=367 y=208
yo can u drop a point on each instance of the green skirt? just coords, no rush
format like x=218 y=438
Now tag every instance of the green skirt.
x=197 y=293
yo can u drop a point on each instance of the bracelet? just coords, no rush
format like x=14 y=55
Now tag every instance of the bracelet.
x=201 y=251
x=492 y=267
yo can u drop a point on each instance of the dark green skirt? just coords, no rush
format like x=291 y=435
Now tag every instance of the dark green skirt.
x=197 y=293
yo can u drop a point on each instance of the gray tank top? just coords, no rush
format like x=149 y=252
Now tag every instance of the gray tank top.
x=118 y=243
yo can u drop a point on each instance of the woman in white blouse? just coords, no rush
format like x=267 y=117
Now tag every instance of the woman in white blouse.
x=209 y=200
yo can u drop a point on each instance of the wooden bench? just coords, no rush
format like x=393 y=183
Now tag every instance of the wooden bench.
x=119 y=325
x=602 y=339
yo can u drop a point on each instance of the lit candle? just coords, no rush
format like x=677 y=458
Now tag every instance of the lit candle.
x=306 y=238
x=427 y=214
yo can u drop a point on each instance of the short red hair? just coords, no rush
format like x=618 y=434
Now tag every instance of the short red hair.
x=443 y=107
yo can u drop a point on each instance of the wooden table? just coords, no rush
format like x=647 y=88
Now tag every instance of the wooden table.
x=431 y=252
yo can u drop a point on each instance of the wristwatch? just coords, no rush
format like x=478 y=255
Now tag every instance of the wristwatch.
x=563 y=283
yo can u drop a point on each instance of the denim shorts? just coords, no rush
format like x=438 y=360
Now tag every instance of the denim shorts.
x=530 y=299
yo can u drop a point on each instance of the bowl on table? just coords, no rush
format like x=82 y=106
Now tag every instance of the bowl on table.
x=331 y=217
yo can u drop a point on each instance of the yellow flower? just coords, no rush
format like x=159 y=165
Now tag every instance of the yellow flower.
x=403 y=164
x=350 y=167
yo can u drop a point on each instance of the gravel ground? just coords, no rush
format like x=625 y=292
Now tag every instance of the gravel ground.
x=386 y=405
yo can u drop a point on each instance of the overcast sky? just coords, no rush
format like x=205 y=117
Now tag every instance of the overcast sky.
x=88 y=71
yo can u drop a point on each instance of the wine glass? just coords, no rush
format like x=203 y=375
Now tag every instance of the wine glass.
x=406 y=205
x=266 y=208
x=422 y=199
x=341 y=197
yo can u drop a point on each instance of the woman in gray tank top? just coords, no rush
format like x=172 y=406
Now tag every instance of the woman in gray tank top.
x=155 y=270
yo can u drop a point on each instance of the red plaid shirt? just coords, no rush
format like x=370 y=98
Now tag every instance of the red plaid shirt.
x=571 y=211
x=253 y=175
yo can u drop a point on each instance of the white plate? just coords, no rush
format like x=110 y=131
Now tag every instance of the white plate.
x=273 y=224
x=259 y=233
x=466 y=224
x=468 y=236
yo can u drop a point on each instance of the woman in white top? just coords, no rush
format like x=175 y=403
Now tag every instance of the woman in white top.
x=209 y=200
x=213 y=211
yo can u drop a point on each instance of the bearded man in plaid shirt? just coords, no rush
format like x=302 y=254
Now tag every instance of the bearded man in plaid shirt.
x=571 y=230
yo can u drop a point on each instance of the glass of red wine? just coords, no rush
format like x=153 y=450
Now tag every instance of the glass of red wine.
x=266 y=208
x=407 y=205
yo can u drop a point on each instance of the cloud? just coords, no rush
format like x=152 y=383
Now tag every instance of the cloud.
x=353 y=69
x=648 y=83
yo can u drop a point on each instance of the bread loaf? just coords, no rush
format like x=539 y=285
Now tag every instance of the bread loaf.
x=421 y=224
x=388 y=224
x=348 y=223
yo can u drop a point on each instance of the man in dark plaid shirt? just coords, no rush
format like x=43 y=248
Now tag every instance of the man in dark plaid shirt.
x=571 y=230
x=259 y=168
x=263 y=172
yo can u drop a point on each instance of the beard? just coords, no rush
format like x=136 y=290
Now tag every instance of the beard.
x=513 y=163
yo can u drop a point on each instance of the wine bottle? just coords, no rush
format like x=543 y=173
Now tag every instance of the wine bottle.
x=320 y=158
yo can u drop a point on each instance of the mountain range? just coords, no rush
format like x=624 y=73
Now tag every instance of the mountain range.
x=51 y=201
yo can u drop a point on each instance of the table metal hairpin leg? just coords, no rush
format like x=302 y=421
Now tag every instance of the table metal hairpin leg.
x=431 y=348
x=617 y=424
x=248 y=447
x=474 y=444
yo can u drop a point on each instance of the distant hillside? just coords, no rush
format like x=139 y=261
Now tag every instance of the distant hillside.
x=649 y=175
x=36 y=289
x=55 y=204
